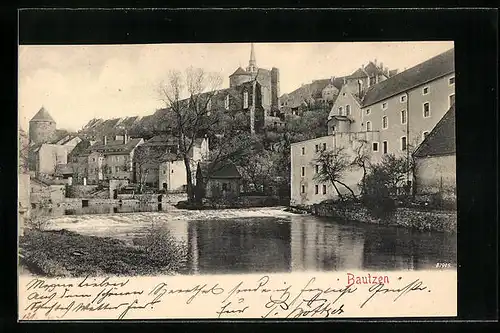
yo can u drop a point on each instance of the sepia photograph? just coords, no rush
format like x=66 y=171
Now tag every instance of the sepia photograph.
x=141 y=164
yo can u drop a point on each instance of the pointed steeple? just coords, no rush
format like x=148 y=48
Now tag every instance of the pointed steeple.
x=252 y=63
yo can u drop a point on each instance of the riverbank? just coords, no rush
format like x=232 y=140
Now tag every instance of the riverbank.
x=62 y=253
x=414 y=218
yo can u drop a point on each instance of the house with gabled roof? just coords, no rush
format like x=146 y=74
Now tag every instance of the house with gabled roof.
x=435 y=160
x=219 y=179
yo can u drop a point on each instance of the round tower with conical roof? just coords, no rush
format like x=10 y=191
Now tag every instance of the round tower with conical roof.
x=42 y=127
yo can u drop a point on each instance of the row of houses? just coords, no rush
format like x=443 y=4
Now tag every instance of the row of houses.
x=324 y=92
x=395 y=114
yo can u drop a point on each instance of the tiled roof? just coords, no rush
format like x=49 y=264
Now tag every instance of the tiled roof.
x=370 y=69
x=42 y=115
x=429 y=70
x=441 y=140
x=239 y=71
x=114 y=146
x=64 y=169
x=220 y=170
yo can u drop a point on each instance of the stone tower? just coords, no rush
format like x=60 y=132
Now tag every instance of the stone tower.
x=42 y=127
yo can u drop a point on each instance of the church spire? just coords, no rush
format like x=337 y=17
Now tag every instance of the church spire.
x=252 y=63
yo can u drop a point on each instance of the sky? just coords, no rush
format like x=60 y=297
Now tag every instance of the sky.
x=77 y=83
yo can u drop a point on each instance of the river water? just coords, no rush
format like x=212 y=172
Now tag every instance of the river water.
x=271 y=240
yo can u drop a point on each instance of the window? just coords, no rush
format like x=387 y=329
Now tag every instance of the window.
x=384 y=122
x=341 y=111
x=424 y=135
x=403 y=143
x=164 y=172
x=324 y=145
x=375 y=146
x=226 y=102
x=427 y=110
x=403 y=98
x=303 y=171
x=451 y=100
x=348 y=110
x=93 y=159
x=343 y=94
x=303 y=150
x=384 y=147
x=368 y=126
x=425 y=91
x=317 y=168
x=316 y=189
x=403 y=116
x=324 y=189
x=384 y=106
x=302 y=189
x=317 y=148
x=245 y=100
x=367 y=111
x=451 y=81
x=117 y=169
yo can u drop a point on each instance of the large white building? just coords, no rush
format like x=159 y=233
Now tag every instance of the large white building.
x=392 y=116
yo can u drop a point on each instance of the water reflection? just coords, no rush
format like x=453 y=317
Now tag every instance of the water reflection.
x=312 y=244
x=295 y=243
x=239 y=246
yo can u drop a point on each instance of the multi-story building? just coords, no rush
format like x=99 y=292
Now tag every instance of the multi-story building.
x=107 y=160
x=157 y=162
x=392 y=116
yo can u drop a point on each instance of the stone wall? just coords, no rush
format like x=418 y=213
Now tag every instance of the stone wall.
x=407 y=217
x=81 y=191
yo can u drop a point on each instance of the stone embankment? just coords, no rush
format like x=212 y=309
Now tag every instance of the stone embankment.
x=421 y=219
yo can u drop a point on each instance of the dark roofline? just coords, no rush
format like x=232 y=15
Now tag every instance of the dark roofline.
x=406 y=89
x=448 y=116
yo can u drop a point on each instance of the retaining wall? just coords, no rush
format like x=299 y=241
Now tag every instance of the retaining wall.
x=407 y=217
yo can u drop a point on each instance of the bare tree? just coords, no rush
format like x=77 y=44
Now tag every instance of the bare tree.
x=362 y=160
x=332 y=166
x=191 y=117
x=23 y=151
x=145 y=158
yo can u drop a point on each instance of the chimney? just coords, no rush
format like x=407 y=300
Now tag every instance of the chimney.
x=382 y=65
x=125 y=138
x=359 y=88
x=375 y=61
x=105 y=140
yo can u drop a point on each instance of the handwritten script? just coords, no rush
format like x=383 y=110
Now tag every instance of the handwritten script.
x=253 y=296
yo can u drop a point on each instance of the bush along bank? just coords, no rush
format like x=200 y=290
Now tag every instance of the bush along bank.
x=68 y=254
x=417 y=218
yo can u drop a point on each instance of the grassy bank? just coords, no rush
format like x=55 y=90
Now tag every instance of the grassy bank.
x=68 y=254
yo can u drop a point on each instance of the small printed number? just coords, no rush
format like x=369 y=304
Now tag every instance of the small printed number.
x=443 y=265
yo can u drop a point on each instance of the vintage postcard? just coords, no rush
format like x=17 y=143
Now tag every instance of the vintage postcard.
x=237 y=180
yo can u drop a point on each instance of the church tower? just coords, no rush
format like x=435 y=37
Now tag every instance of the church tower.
x=252 y=63
x=42 y=127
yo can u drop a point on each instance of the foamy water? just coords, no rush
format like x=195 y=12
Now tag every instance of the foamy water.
x=126 y=225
